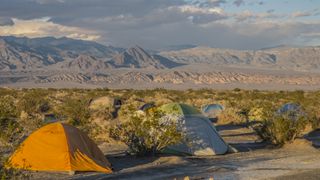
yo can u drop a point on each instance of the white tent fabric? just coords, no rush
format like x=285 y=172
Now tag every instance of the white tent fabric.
x=201 y=138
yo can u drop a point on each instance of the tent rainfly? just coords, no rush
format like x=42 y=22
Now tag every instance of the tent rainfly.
x=202 y=138
x=59 y=147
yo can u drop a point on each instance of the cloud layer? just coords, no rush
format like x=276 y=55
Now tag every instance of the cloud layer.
x=42 y=27
x=157 y=23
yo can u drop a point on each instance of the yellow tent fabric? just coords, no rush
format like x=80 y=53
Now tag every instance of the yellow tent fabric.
x=59 y=147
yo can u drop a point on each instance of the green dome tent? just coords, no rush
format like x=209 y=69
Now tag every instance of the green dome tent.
x=202 y=139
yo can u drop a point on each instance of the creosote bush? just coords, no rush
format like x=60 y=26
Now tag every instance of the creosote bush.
x=281 y=128
x=9 y=127
x=147 y=134
x=75 y=110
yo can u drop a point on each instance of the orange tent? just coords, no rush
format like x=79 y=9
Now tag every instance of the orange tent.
x=59 y=147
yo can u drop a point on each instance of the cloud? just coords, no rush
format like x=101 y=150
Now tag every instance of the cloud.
x=207 y=3
x=43 y=27
x=6 y=21
x=249 y=15
x=235 y=35
x=200 y=15
x=301 y=14
x=270 y=11
x=49 y=1
x=66 y=10
x=238 y=2
x=156 y=23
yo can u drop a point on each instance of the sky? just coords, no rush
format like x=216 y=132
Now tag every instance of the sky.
x=154 y=24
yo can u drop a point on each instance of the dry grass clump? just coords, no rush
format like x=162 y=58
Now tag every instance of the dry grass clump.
x=231 y=116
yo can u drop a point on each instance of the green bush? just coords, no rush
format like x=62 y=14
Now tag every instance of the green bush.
x=146 y=134
x=76 y=111
x=9 y=127
x=281 y=128
x=34 y=102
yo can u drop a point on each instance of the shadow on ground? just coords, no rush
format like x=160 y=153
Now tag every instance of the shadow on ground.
x=122 y=161
x=314 y=137
x=242 y=137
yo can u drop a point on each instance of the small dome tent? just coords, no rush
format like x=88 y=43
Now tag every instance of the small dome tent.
x=212 y=110
x=289 y=107
x=293 y=110
x=201 y=136
x=59 y=147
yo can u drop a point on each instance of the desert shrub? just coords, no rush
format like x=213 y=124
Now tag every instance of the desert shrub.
x=256 y=114
x=313 y=117
x=261 y=111
x=312 y=108
x=231 y=116
x=76 y=111
x=12 y=173
x=10 y=131
x=314 y=121
x=146 y=134
x=7 y=107
x=281 y=128
x=9 y=126
x=34 y=102
x=31 y=106
x=237 y=89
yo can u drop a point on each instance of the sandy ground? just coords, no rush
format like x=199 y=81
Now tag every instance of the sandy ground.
x=256 y=160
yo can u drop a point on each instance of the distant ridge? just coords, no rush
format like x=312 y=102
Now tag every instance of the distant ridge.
x=136 y=57
x=278 y=58
x=18 y=53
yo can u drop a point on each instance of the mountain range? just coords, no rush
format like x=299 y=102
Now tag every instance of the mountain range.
x=64 y=53
x=281 y=58
x=51 y=60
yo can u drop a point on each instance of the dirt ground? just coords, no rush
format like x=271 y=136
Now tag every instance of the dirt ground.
x=255 y=160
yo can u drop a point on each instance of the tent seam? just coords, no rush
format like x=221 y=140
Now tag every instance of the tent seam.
x=68 y=149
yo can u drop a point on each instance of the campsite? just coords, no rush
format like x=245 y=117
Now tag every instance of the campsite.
x=159 y=89
x=159 y=134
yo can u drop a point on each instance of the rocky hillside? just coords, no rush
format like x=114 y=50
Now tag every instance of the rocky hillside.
x=64 y=53
x=301 y=59
x=136 y=57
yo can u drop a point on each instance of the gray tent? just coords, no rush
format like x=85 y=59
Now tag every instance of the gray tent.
x=202 y=139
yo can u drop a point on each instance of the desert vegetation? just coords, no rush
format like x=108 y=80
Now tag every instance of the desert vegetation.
x=23 y=111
